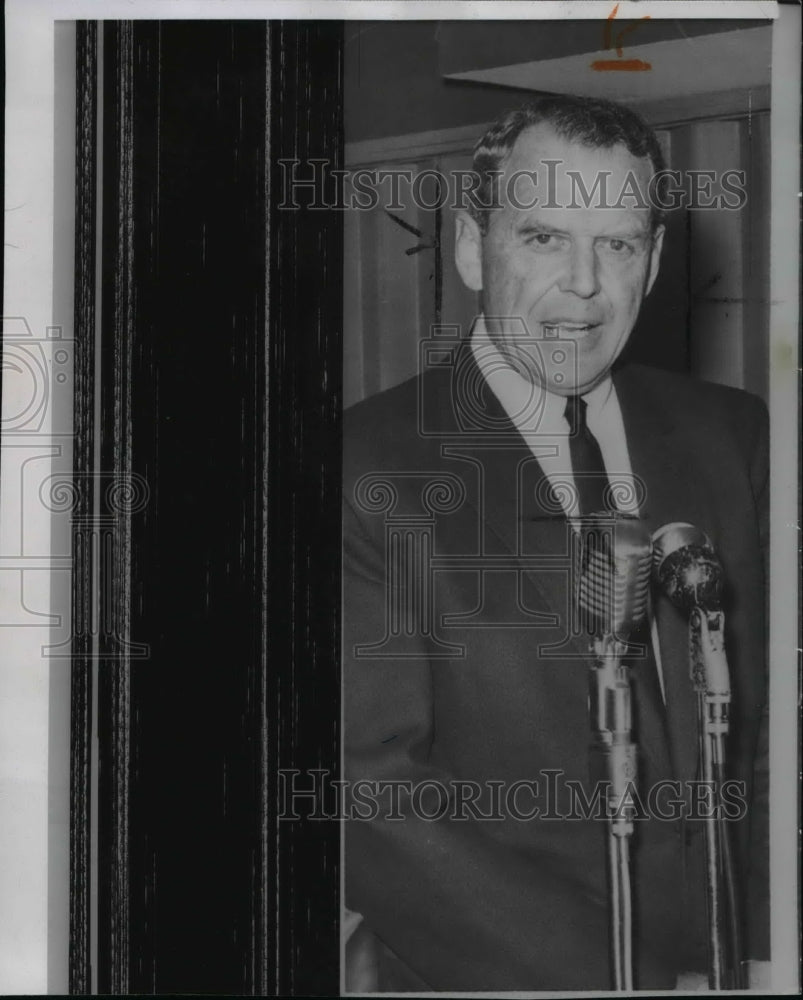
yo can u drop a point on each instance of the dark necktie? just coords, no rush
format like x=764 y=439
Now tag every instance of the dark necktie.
x=590 y=477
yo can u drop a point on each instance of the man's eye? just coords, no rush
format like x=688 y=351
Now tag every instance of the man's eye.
x=543 y=240
x=618 y=246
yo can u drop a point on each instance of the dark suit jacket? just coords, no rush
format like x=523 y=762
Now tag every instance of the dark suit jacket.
x=488 y=686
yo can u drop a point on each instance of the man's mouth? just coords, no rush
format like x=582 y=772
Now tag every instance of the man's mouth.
x=562 y=329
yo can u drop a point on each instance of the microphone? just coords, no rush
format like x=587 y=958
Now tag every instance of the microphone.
x=616 y=558
x=616 y=562
x=686 y=567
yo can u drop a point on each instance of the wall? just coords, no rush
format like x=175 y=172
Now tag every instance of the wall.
x=393 y=84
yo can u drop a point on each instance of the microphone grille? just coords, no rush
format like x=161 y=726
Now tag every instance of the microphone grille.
x=614 y=580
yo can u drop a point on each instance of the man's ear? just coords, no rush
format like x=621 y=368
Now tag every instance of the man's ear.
x=655 y=257
x=468 y=251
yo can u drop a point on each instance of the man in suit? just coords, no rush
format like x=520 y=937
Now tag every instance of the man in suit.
x=465 y=682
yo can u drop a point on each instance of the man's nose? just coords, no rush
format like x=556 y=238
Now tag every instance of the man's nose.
x=580 y=274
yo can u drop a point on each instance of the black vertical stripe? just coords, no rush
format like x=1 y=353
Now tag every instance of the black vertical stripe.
x=220 y=486
x=83 y=469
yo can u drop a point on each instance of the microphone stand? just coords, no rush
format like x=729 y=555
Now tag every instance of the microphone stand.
x=615 y=565
x=611 y=715
x=710 y=679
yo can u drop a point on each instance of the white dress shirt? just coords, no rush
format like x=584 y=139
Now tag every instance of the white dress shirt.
x=539 y=417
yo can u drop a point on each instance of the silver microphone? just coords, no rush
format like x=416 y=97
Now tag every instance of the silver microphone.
x=613 y=591
x=614 y=583
x=686 y=567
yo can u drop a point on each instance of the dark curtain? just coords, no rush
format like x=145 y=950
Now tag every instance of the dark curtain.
x=215 y=509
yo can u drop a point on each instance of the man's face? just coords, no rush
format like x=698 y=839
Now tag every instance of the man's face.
x=575 y=273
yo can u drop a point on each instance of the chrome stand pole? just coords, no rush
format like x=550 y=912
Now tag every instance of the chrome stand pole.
x=611 y=719
x=712 y=684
